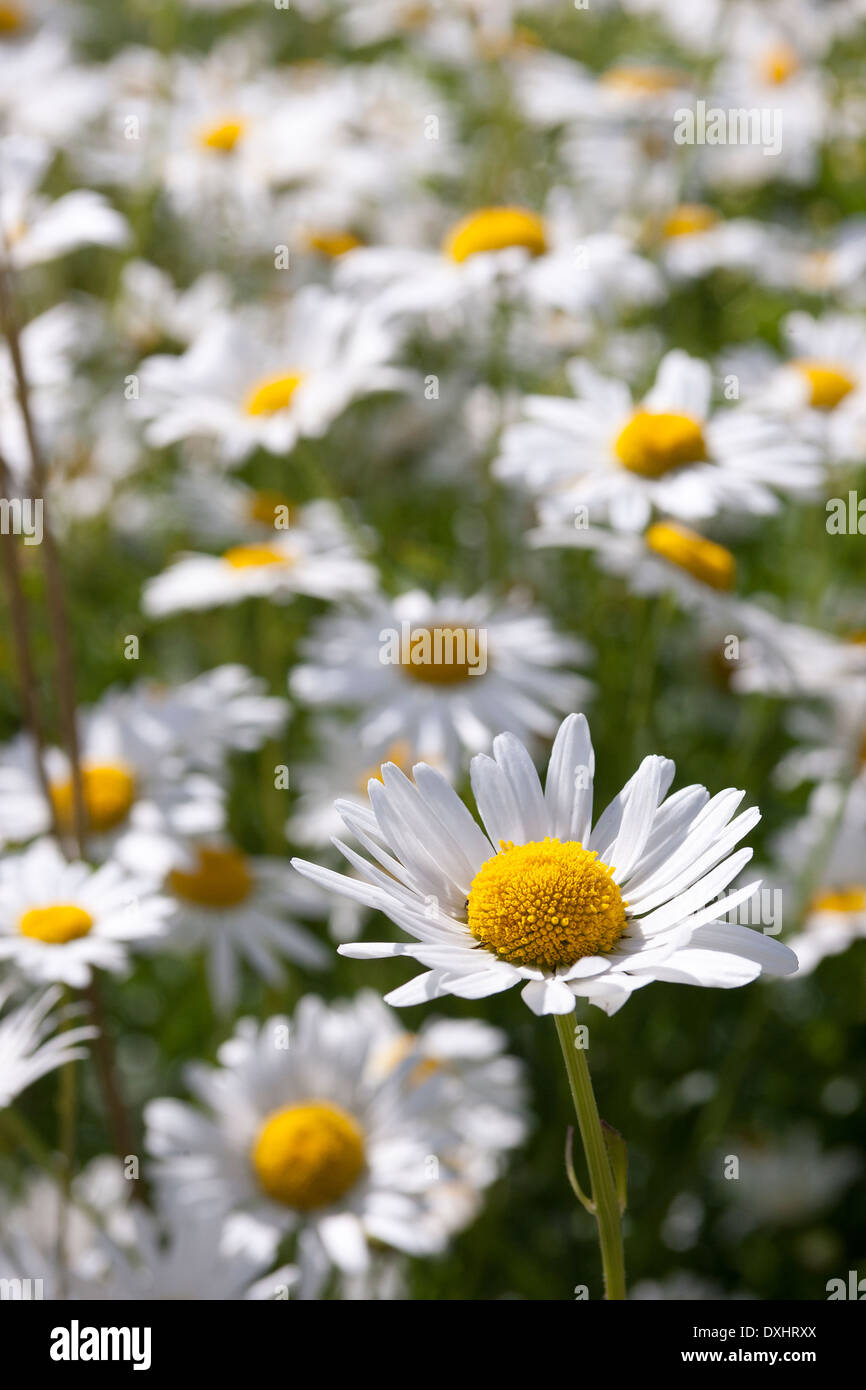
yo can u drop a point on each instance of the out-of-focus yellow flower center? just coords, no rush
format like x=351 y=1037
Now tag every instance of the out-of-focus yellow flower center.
x=828 y=384
x=495 y=229
x=641 y=79
x=109 y=791
x=333 y=244
x=273 y=394
x=220 y=878
x=704 y=560
x=56 y=925
x=545 y=904
x=655 y=442
x=399 y=753
x=396 y=1051
x=443 y=655
x=849 y=899
x=308 y=1155
x=222 y=136
x=779 y=64
x=245 y=557
x=264 y=507
x=689 y=218
x=11 y=19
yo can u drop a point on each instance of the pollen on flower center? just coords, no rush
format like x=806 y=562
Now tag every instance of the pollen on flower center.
x=273 y=394
x=655 y=442
x=545 y=904
x=222 y=136
x=220 y=878
x=56 y=925
x=242 y=557
x=308 y=1155
x=704 y=560
x=108 y=790
x=851 y=898
x=828 y=384
x=442 y=655
x=689 y=218
x=495 y=229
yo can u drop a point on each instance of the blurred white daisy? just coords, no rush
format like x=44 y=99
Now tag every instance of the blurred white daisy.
x=238 y=909
x=441 y=674
x=548 y=909
x=296 y=1134
x=265 y=379
x=34 y=1041
x=671 y=452
x=60 y=921
x=35 y=228
x=222 y=711
x=312 y=553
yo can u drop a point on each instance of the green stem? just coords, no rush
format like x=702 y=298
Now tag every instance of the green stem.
x=607 y=1213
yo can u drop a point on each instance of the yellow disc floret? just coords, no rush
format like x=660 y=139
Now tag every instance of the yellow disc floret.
x=689 y=219
x=545 y=904
x=56 y=925
x=273 y=394
x=828 y=384
x=779 y=64
x=244 y=557
x=108 y=790
x=849 y=899
x=443 y=655
x=308 y=1155
x=222 y=136
x=495 y=229
x=655 y=442
x=704 y=560
x=220 y=878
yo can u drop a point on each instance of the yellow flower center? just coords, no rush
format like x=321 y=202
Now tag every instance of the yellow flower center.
x=11 y=19
x=109 y=791
x=704 y=560
x=779 y=64
x=642 y=79
x=441 y=655
x=308 y=1155
x=495 y=229
x=689 y=218
x=849 y=899
x=56 y=925
x=264 y=507
x=221 y=878
x=333 y=244
x=244 y=557
x=828 y=384
x=222 y=136
x=273 y=394
x=655 y=442
x=545 y=904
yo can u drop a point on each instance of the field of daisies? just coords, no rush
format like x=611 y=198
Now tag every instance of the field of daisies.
x=433 y=649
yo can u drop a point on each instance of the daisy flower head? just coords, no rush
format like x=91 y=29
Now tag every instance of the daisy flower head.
x=34 y=228
x=823 y=383
x=222 y=711
x=670 y=453
x=440 y=675
x=237 y=908
x=543 y=899
x=30 y=1043
x=60 y=921
x=265 y=380
x=306 y=552
x=296 y=1134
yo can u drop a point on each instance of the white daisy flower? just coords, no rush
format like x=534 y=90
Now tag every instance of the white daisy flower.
x=831 y=739
x=670 y=452
x=203 y=720
x=237 y=908
x=791 y=660
x=141 y=801
x=61 y=921
x=824 y=382
x=693 y=239
x=311 y=554
x=296 y=1134
x=265 y=380
x=562 y=909
x=150 y=309
x=34 y=228
x=441 y=674
x=33 y=1043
